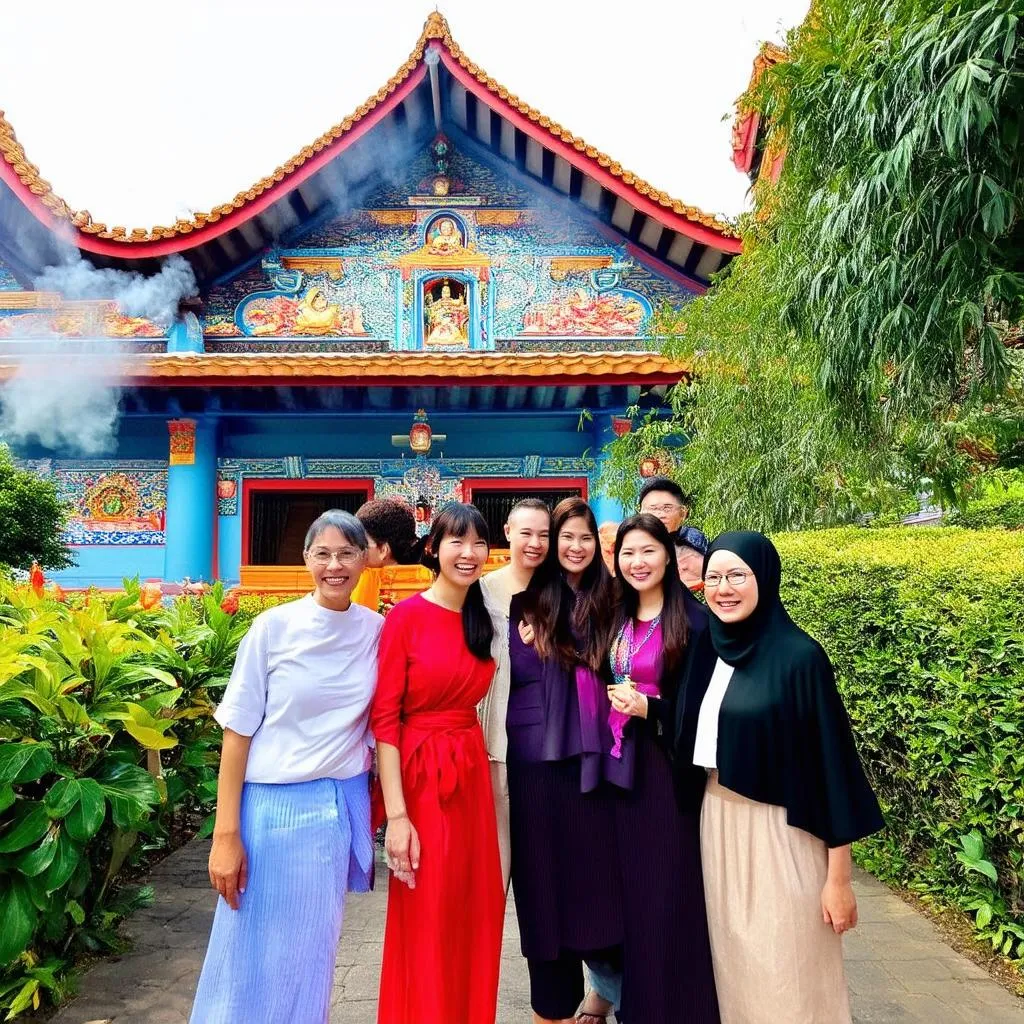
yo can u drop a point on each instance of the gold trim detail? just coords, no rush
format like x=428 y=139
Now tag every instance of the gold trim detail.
x=435 y=29
x=30 y=300
x=393 y=218
x=563 y=266
x=500 y=218
x=332 y=266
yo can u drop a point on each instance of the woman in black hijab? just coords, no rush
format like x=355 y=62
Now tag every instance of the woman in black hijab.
x=785 y=796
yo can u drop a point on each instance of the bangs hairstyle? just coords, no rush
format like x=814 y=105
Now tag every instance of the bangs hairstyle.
x=573 y=629
x=457 y=520
x=675 y=626
x=346 y=523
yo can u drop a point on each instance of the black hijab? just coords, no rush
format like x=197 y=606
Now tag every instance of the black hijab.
x=784 y=736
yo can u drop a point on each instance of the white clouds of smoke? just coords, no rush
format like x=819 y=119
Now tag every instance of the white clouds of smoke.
x=64 y=404
x=66 y=399
x=154 y=297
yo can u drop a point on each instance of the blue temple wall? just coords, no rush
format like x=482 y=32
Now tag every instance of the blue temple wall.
x=121 y=506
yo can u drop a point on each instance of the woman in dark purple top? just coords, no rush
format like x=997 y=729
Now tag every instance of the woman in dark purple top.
x=667 y=971
x=565 y=868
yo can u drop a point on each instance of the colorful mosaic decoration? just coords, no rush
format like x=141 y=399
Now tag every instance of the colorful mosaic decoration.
x=78 y=320
x=455 y=256
x=183 y=442
x=111 y=502
x=227 y=494
x=8 y=282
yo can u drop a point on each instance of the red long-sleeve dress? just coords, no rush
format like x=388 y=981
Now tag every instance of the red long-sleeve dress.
x=442 y=940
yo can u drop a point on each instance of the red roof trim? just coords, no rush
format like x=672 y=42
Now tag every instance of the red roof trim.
x=166 y=246
x=581 y=161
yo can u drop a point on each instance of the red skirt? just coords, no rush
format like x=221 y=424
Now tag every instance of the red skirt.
x=442 y=940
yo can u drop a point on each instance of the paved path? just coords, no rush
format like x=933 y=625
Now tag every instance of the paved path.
x=899 y=969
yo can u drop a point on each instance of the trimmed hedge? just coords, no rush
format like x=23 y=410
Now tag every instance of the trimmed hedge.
x=926 y=629
x=1005 y=511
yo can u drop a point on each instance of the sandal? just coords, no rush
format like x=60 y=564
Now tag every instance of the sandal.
x=590 y=1018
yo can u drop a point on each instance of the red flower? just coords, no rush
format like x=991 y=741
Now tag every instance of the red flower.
x=150 y=595
x=36 y=580
x=230 y=604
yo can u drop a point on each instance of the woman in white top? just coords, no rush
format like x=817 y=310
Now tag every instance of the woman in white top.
x=292 y=832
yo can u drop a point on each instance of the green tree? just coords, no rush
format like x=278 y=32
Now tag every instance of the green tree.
x=858 y=351
x=32 y=518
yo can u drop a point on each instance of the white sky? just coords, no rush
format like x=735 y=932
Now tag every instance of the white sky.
x=141 y=111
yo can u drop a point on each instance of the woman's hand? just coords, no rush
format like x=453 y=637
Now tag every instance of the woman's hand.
x=839 y=906
x=402 y=849
x=628 y=700
x=228 y=867
x=526 y=633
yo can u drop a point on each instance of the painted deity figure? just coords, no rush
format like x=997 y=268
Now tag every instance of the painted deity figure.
x=315 y=315
x=445 y=239
x=447 y=318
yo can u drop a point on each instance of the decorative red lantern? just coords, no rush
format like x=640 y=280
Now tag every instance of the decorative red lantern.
x=420 y=434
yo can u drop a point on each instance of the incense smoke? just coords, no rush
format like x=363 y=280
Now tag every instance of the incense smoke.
x=67 y=399
x=155 y=298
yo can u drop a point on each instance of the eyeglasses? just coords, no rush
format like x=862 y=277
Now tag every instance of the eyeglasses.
x=736 y=578
x=346 y=556
x=655 y=509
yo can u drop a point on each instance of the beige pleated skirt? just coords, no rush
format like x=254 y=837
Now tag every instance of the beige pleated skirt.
x=775 y=958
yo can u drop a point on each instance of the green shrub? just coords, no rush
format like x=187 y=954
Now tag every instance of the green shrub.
x=106 y=744
x=997 y=501
x=32 y=519
x=926 y=629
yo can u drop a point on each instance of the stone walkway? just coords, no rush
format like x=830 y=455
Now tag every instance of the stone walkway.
x=899 y=969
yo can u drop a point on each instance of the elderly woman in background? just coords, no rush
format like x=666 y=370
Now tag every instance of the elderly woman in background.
x=691 y=547
x=292 y=830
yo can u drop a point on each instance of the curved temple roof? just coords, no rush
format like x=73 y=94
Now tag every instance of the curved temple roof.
x=636 y=195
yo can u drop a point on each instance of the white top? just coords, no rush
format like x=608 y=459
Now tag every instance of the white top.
x=499 y=589
x=301 y=688
x=705 y=750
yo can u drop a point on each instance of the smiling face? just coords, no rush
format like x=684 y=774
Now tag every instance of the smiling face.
x=528 y=532
x=577 y=545
x=730 y=600
x=462 y=558
x=335 y=564
x=642 y=561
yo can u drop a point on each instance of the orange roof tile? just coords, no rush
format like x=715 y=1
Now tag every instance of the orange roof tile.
x=436 y=28
x=376 y=368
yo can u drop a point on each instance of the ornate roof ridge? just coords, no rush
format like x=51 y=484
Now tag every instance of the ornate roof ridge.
x=435 y=29
x=352 y=366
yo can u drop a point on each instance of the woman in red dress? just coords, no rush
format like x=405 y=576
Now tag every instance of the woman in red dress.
x=446 y=901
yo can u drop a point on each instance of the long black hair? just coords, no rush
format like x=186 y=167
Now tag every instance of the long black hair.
x=572 y=630
x=675 y=626
x=457 y=520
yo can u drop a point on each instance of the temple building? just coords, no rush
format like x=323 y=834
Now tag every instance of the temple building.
x=445 y=296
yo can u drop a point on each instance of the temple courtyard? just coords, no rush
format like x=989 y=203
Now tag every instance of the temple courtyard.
x=899 y=968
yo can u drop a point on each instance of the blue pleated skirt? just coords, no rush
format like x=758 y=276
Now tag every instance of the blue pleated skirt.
x=272 y=960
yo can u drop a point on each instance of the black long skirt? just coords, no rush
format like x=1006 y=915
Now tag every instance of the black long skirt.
x=566 y=877
x=668 y=976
